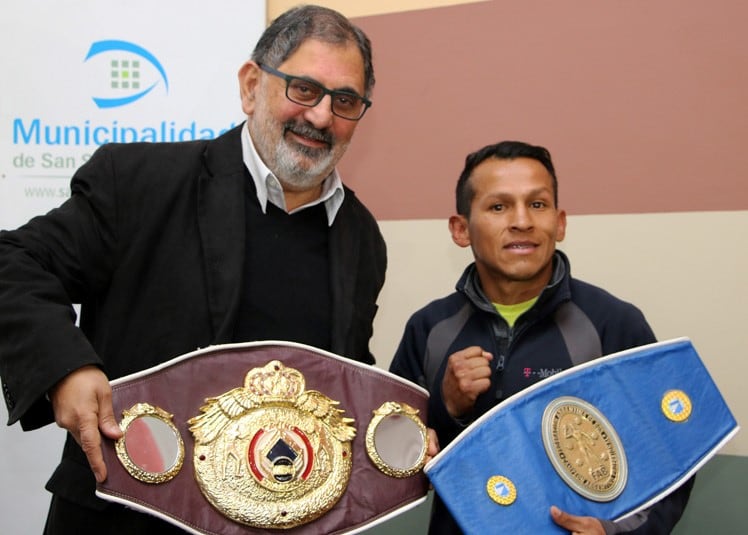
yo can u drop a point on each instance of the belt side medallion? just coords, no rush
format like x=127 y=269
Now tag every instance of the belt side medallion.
x=501 y=489
x=676 y=406
x=584 y=449
x=271 y=454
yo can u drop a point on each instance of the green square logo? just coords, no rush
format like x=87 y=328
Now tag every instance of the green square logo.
x=124 y=74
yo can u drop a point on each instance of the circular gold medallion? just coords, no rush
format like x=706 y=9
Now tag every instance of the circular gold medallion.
x=271 y=454
x=676 y=405
x=584 y=449
x=151 y=448
x=397 y=440
x=501 y=490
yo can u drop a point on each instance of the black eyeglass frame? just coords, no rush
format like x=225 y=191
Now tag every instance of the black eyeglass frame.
x=323 y=91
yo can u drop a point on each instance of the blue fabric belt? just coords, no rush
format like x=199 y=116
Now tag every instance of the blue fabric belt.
x=500 y=475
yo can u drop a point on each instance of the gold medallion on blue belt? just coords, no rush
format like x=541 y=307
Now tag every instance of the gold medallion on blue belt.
x=501 y=490
x=676 y=405
x=584 y=448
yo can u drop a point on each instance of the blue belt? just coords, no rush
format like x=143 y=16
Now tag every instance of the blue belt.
x=604 y=439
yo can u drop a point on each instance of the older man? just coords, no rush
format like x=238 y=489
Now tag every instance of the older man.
x=171 y=247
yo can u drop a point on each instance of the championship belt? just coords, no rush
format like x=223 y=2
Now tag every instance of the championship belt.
x=605 y=439
x=246 y=438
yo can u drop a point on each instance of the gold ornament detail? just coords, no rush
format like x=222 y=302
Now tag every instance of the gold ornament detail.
x=501 y=490
x=271 y=454
x=676 y=406
x=151 y=448
x=584 y=449
x=397 y=440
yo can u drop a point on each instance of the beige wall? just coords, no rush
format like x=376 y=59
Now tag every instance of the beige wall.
x=685 y=269
x=362 y=8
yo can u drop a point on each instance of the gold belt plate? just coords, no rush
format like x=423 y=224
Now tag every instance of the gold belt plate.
x=271 y=454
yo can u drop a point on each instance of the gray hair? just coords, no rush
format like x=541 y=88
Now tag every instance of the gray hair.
x=287 y=32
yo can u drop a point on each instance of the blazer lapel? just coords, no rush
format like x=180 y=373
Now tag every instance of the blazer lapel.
x=222 y=228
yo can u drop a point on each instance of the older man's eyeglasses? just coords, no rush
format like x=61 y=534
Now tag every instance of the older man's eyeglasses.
x=306 y=92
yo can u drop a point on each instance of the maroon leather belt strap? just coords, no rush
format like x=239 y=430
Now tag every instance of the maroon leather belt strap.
x=214 y=399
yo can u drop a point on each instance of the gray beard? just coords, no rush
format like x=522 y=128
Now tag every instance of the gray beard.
x=298 y=178
x=285 y=164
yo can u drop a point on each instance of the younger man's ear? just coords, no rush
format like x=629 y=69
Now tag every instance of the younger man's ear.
x=458 y=227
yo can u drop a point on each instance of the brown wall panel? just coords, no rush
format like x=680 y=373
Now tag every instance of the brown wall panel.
x=643 y=104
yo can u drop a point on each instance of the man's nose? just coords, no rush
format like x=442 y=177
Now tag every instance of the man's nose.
x=321 y=115
x=521 y=218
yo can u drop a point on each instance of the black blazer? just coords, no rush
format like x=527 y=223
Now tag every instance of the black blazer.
x=151 y=243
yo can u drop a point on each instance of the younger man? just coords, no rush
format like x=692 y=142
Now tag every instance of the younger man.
x=516 y=311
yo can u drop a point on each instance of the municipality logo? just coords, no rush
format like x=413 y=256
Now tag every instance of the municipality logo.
x=129 y=72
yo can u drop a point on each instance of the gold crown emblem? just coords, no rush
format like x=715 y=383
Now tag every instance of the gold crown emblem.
x=274 y=382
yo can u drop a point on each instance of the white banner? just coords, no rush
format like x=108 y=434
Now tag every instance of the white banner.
x=78 y=74
x=81 y=73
